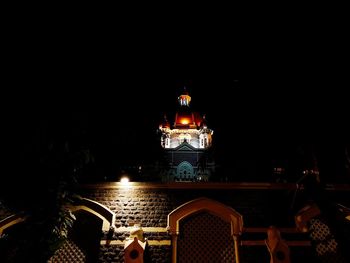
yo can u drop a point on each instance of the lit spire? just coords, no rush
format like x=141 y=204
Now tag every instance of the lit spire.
x=203 y=123
x=165 y=123
x=184 y=98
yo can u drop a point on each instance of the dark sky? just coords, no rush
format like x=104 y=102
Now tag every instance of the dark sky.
x=262 y=90
x=256 y=120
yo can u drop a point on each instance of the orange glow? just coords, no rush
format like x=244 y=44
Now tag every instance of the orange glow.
x=184 y=121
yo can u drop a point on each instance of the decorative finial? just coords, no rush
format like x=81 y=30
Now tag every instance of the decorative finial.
x=185 y=92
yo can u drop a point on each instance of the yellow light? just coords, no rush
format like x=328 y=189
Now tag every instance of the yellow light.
x=124 y=180
x=184 y=121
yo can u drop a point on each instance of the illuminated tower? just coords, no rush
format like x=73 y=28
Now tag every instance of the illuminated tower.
x=186 y=144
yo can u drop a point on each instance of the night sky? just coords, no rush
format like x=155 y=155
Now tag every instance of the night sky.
x=92 y=85
x=266 y=97
x=256 y=121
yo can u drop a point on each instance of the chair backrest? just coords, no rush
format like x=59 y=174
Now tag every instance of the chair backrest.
x=204 y=228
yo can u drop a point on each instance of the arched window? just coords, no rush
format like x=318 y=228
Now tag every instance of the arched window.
x=185 y=171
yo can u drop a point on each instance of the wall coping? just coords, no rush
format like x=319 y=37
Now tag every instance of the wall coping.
x=207 y=185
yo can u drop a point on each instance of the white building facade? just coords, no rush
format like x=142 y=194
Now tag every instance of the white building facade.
x=186 y=143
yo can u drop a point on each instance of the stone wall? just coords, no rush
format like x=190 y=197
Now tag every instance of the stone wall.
x=150 y=207
x=261 y=205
